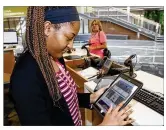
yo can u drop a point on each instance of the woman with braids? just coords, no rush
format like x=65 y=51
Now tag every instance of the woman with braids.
x=41 y=88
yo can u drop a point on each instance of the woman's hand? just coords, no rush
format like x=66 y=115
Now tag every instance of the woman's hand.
x=92 y=47
x=94 y=96
x=116 y=117
x=101 y=71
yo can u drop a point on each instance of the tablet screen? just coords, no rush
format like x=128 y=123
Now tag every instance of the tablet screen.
x=120 y=90
x=104 y=82
x=107 y=63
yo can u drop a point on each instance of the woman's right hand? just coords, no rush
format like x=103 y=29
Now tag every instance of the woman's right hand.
x=116 y=117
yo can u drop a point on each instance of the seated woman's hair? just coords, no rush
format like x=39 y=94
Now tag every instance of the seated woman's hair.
x=96 y=21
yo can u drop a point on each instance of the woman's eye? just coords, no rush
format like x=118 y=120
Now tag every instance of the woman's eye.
x=69 y=39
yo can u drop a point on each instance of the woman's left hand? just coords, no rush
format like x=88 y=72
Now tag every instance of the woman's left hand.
x=92 y=47
x=94 y=96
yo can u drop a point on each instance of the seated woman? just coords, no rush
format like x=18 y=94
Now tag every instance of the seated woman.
x=97 y=39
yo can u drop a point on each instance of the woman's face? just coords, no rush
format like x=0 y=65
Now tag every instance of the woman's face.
x=58 y=41
x=95 y=27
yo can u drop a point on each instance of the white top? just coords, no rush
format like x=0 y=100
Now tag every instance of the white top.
x=142 y=114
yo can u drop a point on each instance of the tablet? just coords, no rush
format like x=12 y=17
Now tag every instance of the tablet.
x=123 y=88
x=107 y=65
x=104 y=81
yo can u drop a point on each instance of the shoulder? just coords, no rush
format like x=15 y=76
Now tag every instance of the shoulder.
x=26 y=73
x=102 y=33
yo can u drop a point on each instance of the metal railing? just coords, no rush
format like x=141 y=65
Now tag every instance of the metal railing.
x=143 y=23
x=147 y=52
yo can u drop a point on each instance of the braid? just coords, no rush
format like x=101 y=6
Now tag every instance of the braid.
x=35 y=40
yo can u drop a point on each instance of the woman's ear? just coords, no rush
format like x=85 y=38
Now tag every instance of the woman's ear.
x=47 y=28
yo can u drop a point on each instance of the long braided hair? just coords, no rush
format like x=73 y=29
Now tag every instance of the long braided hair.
x=36 y=44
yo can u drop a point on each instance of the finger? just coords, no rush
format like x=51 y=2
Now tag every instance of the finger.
x=103 y=88
x=128 y=121
x=99 y=72
x=128 y=118
x=118 y=107
x=125 y=115
x=124 y=110
x=110 y=109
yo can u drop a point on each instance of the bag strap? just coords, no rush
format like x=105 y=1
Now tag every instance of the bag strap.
x=99 y=36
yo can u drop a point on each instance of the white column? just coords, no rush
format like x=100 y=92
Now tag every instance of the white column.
x=142 y=20
x=82 y=9
x=86 y=26
x=138 y=33
x=157 y=28
x=128 y=13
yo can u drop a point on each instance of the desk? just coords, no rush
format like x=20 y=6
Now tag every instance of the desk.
x=78 y=51
x=9 y=60
x=142 y=114
x=6 y=78
x=75 y=62
x=9 y=49
x=71 y=66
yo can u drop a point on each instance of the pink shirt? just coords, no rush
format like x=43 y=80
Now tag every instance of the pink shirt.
x=97 y=39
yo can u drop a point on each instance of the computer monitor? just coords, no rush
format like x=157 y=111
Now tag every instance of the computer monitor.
x=10 y=37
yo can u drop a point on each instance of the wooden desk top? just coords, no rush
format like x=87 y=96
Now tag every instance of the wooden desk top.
x=142 y=114
x=79 y=52
x=9 y=49
x=6 y=78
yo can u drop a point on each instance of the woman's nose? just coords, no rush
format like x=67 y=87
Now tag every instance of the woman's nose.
x=70 y=45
